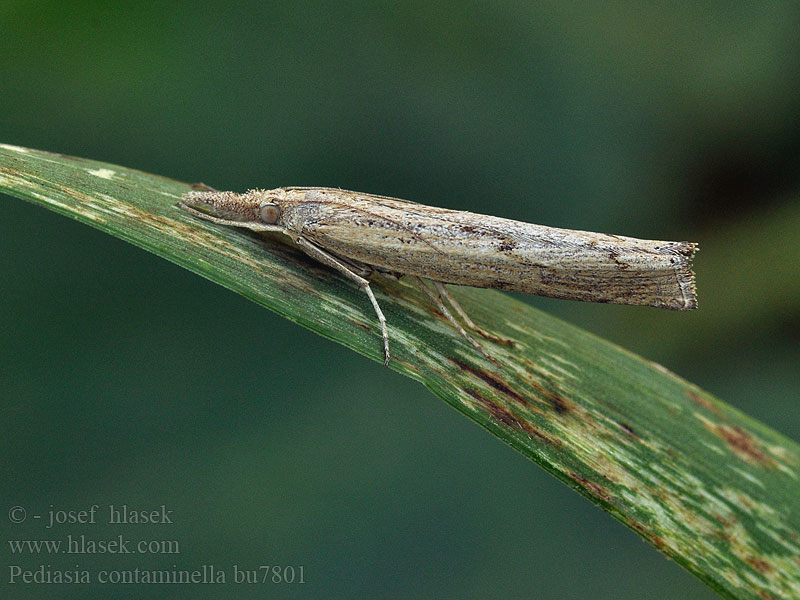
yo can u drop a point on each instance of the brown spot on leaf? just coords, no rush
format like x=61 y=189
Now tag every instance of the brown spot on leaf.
x=492 y=381
x=721 y=520
x=759 y=564
x=507 y=418
x=559 y=404
x=658 y=542
x=742 y=443
x=724 y=535
x=704 y=402
x=361 y=325
x=594 y=488
x=654 y=539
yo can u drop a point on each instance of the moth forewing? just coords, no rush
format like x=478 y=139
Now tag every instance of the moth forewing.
x=342 y=228
x=483 y=251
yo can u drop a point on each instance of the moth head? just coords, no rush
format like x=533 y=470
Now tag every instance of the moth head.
x=222 y=205
x=255 y=210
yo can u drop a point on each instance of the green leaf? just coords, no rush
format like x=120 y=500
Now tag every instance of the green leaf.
x=708 y=486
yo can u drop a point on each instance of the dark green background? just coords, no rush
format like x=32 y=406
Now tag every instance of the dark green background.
x=124 y=379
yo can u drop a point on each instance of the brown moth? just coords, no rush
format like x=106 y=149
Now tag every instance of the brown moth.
x=359 y=234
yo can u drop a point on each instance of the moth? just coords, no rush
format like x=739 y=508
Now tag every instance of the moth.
x=361 y=234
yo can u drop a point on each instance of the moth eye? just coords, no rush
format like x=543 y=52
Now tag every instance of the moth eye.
x=269 y=213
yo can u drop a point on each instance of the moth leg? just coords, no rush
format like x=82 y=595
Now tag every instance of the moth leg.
x=393 y=275
x=440 y=305
x=356 y=267
x=333 y=262
x=445 y=296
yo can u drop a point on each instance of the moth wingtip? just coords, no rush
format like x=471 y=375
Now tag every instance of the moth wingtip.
x=686 y=278
x=690 y=293
x=685 y=296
